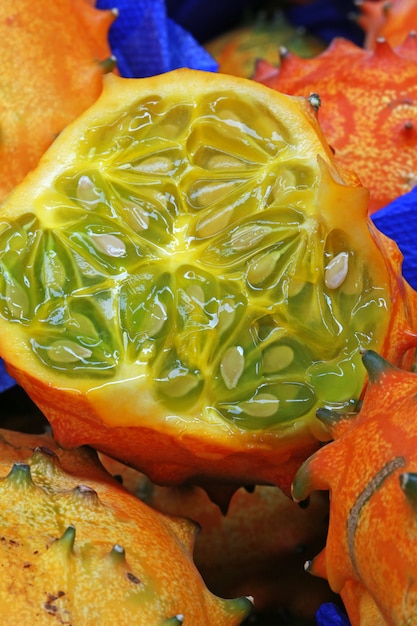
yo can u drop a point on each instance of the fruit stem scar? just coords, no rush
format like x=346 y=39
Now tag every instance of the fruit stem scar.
x=355 y=512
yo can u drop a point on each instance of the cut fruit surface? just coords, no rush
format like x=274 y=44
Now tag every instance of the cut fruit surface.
x=188 y=274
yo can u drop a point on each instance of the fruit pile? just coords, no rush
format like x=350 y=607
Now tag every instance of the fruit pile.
x=212 y=336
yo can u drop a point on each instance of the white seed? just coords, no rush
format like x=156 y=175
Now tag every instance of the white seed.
x=196 y=293
x=286 y=179
x=169 y=130
x=226 y=317
x=222 y=161
x=53 y=272
x=213 y=223
x=17 y=300
x=207 y=193
x=262 y=405
x=248 y=236
x=277 y=358
x=232 y=366
x=65 y=351
x=261 y=268
x=229 y=116
x=83 y=324
x=155 y=165
x=110 y=245
x=136 y=216
x=336 y=271
x=179 y=386
x=295 y=287
x=156 y=319
x=86 y=190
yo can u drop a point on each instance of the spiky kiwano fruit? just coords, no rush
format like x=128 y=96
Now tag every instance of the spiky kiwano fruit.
x=368 y=108
x=370 y=556
x=78 y=547
x=188 y=275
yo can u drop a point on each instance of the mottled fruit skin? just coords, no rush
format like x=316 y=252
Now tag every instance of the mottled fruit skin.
x=368 y=108
x=77 y=548
x=54 y=55
x=391 y=20
x=370 y=556
x=257 y=548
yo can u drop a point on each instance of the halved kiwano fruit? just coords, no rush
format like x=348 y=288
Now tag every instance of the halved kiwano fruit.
x=188 y=275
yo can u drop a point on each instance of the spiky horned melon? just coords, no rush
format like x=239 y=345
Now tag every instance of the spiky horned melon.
x=188 y=274
x=78 y=547
x=257 y=548
x=53 y=56
x=392 y=20
x=368 y=108
x=370 y=556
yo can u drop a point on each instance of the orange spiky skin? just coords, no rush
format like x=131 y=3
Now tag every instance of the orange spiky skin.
x=368 y=108
x=54 y=55
x=78 y=548
x=391 y=19
x=370 y=470
x=236 y=553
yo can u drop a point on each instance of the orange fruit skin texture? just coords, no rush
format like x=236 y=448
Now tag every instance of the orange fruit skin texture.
x=370 y=556
x=236 y=553
x=392 y=20
x=50 y=72
x=367 y=112
x=151 y=582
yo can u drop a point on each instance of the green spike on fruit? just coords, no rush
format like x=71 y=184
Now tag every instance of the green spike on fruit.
x=408 y=483
x=20 y=476
x=67 y=539
x=44 y=461
x=118 y=554
x=375 y=365
x=329 y=417
x=177 y=620
x=109 y=64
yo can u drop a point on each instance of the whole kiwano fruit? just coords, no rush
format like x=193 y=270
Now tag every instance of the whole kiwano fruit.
x=77 y=548
x=189 y=274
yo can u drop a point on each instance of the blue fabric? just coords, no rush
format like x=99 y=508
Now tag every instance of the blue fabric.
x=331 y=615
x=5 y=380
x=146 y=41
x=328 y=19
x=206 y=19
x=398 y=220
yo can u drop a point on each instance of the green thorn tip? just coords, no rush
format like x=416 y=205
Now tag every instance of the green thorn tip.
x=177 y=620
x=408 y=483
x=375 y=364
